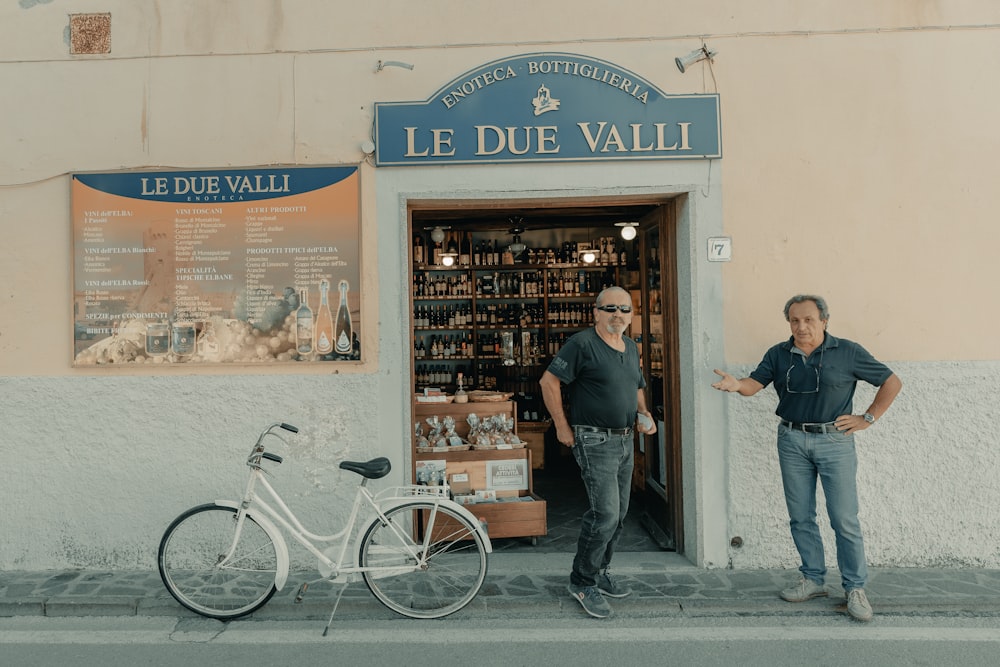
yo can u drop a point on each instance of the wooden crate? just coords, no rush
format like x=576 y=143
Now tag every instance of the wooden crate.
x=505 y=519
x=510 y=518
x=533 y=434
x=461 y=411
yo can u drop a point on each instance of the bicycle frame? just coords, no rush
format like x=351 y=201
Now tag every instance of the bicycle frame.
x=339 y=568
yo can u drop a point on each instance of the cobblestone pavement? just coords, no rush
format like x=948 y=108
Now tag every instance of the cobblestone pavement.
x=533 y=585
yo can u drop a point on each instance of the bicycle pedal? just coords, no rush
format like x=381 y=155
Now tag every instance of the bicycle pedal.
x=302 y=591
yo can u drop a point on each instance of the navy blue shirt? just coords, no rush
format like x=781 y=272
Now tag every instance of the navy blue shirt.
x=819 y=388
x=602 y=384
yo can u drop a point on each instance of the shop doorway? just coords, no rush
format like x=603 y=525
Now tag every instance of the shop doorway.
x=519 y=269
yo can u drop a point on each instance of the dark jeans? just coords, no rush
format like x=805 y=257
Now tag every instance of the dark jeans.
x=606 y=468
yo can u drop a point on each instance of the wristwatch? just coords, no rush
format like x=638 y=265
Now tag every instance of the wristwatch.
x=869 y=417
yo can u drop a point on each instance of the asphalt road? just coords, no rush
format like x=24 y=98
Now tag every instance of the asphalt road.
x=164 y=641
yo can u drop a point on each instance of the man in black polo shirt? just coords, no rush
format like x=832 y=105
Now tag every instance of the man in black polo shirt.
x=604 y=385
x=815 y=375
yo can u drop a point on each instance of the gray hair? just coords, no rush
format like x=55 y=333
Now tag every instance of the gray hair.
x=824 y=312
x=613 y=288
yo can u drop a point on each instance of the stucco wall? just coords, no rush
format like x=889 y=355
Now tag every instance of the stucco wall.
x=926 y=473
x=858 y=141
x=95 y=468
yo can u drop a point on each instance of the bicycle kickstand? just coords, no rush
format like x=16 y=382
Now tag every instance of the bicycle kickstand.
x=336 y=603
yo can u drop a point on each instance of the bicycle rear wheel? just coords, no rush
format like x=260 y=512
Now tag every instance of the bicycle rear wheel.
x=192 y=568
x=426 y=579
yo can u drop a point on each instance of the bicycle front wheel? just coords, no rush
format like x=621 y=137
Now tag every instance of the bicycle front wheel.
x=194 y=567
x=426 y=578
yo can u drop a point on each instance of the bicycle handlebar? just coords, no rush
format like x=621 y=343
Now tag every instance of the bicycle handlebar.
x=257 y=453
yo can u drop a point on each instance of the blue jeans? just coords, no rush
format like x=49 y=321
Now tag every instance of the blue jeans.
x=830 y=457
x=606 y=468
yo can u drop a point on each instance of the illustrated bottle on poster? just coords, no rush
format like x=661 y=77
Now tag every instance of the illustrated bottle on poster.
x=323 y=338
x=182 y=340
x=344 y=331
x=304 y=324
x=157 y=339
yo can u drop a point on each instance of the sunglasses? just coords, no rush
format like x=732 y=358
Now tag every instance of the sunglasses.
x=804 y=377
x=610 y=308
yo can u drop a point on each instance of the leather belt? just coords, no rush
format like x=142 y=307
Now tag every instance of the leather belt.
x=828 y=427
x=610 y=431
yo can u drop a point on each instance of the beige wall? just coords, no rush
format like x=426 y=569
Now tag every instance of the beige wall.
x=858 y=143
x=858 y=139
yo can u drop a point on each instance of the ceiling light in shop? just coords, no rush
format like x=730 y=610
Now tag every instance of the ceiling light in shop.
x=628 y=229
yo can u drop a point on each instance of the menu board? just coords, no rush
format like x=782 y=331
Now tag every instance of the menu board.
x=220 y=266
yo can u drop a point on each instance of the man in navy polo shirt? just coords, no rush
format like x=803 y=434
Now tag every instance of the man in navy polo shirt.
x=815 y=375
x=604 y=384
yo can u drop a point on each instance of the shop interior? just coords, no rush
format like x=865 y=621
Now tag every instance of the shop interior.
x=496 y=291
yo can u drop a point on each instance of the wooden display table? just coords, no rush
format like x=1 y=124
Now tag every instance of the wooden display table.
x=517 y=512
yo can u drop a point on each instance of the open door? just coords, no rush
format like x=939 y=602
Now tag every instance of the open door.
x=661 y=491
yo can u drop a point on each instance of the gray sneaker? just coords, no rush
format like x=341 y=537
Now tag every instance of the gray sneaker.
x=858 y=606
x=591 y=599
x=806 y=589
x=611 y=586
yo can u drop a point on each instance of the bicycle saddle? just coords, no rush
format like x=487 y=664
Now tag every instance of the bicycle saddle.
x=374 y=469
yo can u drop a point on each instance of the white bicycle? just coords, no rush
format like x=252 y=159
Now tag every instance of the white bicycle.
x=421 y=554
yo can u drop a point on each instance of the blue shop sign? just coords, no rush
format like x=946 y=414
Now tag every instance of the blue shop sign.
x=545 y=107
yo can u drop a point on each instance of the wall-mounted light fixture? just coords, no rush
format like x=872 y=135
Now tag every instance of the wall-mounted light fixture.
x=437 y=234
x=382 y=64
x=628 y=229
x=586 y=254
x=704 y=53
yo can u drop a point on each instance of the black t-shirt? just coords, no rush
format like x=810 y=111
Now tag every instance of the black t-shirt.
x=601 y=383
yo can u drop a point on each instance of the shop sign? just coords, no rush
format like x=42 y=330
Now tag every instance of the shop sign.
x=216 y=266
x=547 y=107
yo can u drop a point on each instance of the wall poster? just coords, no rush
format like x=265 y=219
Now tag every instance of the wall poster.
x=217 y=266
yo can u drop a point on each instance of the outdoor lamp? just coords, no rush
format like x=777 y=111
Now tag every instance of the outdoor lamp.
x=695 y=56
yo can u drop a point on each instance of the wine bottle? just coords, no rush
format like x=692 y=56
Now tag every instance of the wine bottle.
x=323 y=338
x=465 y=251
x=304 y=324
x=344 y=331
x=418 y=250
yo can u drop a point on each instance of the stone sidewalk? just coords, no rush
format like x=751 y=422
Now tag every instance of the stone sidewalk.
x=532 y=585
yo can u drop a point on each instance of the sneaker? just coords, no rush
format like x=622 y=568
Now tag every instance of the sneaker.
x=591 y=599
x=858 y=606
x=806 y=589
x=611 y=587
